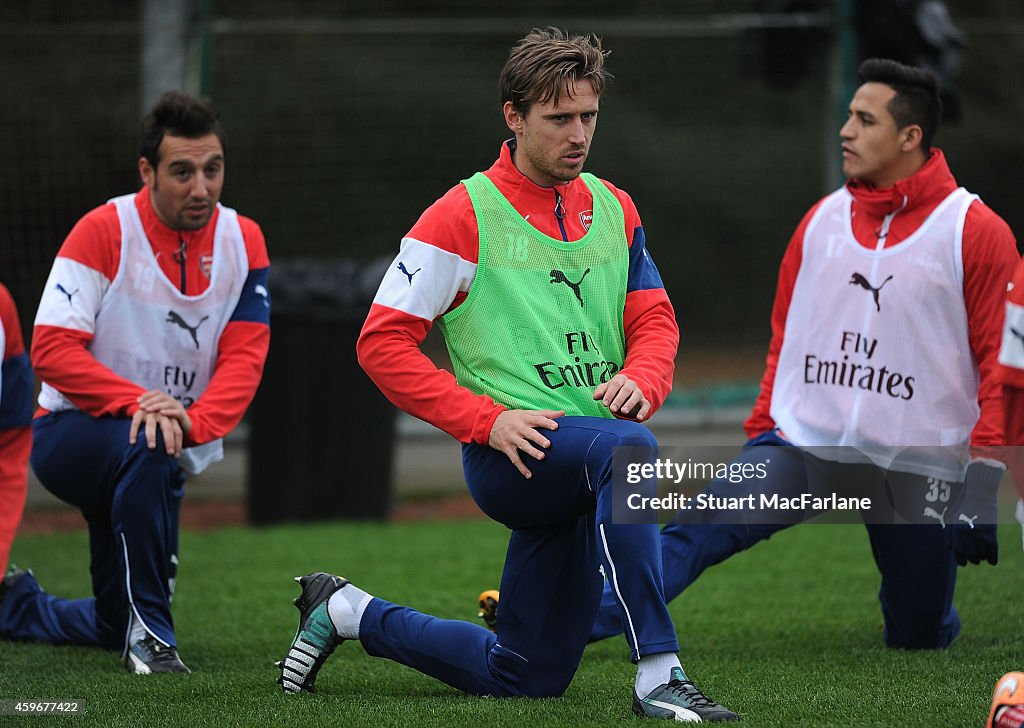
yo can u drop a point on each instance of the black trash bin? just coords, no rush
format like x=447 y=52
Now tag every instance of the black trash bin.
x=321 y=433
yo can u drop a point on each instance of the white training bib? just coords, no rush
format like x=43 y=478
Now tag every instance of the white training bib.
x=148 y=331
x=875 y=356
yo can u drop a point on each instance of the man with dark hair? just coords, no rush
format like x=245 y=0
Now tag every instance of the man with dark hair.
x=179 y=115
x=885 y=335
x=562 y=340
x=150 y=341
x=916 y=101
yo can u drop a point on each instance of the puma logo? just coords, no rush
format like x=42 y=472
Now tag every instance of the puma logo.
x=858 y=280
x=558 y=276
x=63 y=290
x=968 y=520
x=401 y=267
x=930 y=512
x=174 y=318
x=1008 y=685
x=261 y=290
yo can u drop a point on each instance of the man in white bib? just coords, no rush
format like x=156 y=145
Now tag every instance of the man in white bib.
x=149 y=341
x=885 y=337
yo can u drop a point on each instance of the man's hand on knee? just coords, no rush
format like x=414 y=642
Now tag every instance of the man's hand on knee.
x=164 y=404
x=623 y=397
x=150 y=422
x=519 y=430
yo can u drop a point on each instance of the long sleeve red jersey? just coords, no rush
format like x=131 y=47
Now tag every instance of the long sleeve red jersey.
x=59 y=353
x=1011 y=364
x=15 y=424
x=895 y=213
x=446 y=235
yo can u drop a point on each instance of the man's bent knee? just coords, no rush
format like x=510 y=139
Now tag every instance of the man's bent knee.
x=546 y=682
x=922 y=637
x=515 y=677
x=633 y=434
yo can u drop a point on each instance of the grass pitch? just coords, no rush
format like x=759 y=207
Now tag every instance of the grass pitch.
x=788 y=634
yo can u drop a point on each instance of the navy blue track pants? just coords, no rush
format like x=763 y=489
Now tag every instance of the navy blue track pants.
x=130 y=497
x=918 y=571
x=562 y=540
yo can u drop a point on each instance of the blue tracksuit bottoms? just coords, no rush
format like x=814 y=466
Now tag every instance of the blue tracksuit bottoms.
x=563 y=539
x=130 y=497
x=918 y=570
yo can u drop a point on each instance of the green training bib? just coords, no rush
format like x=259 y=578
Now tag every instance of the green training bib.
x=542 y=324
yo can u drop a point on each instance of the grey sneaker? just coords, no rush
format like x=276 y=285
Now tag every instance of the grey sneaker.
x=315 y=639
x=679 y=699
x=149 y=656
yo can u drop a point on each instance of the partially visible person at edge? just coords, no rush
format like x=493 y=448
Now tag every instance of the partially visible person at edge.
x=915 y=268
x=1007 y=710
x=15 y=425
x=150 y=341
x=563 y=339
x=1011 y=370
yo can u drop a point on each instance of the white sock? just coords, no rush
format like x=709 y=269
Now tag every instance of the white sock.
x=654 y=670
x=346 y=607
x=138 y=630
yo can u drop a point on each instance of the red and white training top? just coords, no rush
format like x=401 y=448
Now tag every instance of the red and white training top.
x=887 y=219
x=1011 y=363
x=8 y=318
x=181 y=333
x=856 y=366
x=119 y=256
x=15 y=424
x=15 y=374
x=443 y=248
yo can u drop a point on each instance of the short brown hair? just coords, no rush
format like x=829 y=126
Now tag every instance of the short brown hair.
x=540 y=64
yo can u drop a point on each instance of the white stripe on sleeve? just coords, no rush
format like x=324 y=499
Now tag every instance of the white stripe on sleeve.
x=72 y=296
x=423 y=280
x=1012 y=352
